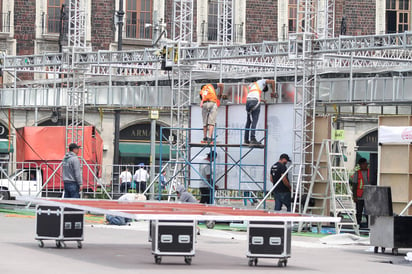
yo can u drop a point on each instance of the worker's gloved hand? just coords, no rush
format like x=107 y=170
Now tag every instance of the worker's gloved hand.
x=274 y=95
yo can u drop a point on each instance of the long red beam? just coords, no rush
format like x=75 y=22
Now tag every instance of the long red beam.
x=142 y=207
x=151 y=210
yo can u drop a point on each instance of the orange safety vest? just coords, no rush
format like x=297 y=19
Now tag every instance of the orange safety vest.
x=254 y=88
x=359 y=188
x=208 y=94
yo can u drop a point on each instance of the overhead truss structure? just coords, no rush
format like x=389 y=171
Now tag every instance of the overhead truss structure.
x=340 y=54
x=225 y=21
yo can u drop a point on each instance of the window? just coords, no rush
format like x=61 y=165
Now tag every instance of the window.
x=292 y=15
x=138 y=14
x=397 y=15
x=53 y=14
x=212 y=20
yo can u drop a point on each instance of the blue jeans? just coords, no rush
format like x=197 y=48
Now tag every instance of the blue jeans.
x=282 y=198
x=71 y=190
x=252 y=118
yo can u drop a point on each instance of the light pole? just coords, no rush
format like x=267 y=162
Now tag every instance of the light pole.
x=153 y=115
x=120 y=14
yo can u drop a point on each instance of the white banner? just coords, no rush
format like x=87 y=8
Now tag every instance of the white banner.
x=401 y=135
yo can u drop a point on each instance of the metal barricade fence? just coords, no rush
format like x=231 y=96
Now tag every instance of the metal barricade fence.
x=112 y=177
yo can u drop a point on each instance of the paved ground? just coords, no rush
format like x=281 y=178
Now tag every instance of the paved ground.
x=108 y=249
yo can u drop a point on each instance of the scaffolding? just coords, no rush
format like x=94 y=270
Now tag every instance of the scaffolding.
x=234 y=171
x=182 y=21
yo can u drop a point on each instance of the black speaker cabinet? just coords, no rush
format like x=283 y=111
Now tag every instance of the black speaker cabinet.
x=60 y=224
x=269 y=240
x=173 y=238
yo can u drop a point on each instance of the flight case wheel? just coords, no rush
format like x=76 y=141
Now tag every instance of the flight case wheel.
x=251 y=261
x=282 y=262
x=79 y=244
x=376 y=249
x=41 y=244
x=256 y=261
x=395 y=251
x=188 y=260
x=210 y=224
x=383 y=249
x=158 y=259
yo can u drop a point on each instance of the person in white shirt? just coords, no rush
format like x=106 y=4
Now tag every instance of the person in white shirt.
x=125 y=180
x=140 y=177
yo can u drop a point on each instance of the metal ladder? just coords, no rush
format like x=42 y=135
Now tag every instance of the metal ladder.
x=330 y=183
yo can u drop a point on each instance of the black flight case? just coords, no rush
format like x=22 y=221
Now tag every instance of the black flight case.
x=173 y=238
x=269 y=240
x=60 y=224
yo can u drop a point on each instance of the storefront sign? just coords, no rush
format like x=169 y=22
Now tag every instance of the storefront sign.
x=142 y=132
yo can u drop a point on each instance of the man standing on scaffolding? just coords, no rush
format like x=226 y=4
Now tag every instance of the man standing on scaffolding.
x=209 y=104
x=254 y=97
x=206 y=184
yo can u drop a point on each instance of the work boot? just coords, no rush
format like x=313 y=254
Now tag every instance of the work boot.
x=255 y=142
x=209 y=141
x=246 y=142
x=204 y=141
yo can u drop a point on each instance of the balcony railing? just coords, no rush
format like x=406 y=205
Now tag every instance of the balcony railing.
x=5 y=22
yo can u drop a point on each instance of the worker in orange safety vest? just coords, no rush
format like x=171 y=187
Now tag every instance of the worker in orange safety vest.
x=359 y=180
x=209 y=104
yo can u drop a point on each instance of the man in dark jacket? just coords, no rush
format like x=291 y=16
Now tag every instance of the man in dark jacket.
x=282 y=191
x=72 y=177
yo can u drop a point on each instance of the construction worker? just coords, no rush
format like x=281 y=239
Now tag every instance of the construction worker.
x=206 y=171
x=184 y=195
x=209 y=104
x=282 y=192
x=253 y=107
x=359 y=179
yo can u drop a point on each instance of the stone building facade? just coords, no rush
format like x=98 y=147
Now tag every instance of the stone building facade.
x=30 y=30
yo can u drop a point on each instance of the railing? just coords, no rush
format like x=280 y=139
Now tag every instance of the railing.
x=5 y=22
x=45 y=179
